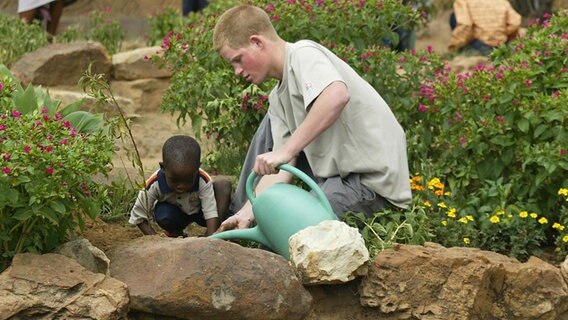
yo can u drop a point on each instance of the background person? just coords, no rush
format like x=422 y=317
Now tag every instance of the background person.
x=48 y=10
x=482 y=25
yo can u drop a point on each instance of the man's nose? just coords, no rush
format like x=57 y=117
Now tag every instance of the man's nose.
x=238 y=71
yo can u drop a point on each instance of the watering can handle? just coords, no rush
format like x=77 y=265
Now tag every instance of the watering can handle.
x=298 y=173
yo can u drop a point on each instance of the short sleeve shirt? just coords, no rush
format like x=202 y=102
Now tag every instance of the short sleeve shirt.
x=366 y=139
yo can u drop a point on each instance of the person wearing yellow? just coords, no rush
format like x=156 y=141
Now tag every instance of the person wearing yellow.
x=482 y=25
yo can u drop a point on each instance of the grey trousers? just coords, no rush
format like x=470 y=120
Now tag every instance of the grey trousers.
x=344 y=194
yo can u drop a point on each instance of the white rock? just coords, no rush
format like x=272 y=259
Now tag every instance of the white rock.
x=329 y=253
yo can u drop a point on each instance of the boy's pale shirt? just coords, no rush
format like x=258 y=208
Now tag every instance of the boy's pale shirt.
x=190 y=203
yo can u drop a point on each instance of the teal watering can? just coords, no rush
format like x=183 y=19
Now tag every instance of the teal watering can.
x=281 y=211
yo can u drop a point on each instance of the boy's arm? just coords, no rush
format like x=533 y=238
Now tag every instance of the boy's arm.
x=140 y=213
x=212 y=225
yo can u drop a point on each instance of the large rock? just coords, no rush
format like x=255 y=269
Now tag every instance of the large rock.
x=329 y=253
x=432 y=282
x=67 y=97
x=52 y=286
x=136 y=64
x=146 y=94
x=62 y=64
x=201 y=278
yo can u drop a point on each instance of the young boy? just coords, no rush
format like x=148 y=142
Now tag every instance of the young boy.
x=180 y=193
x=323 y=118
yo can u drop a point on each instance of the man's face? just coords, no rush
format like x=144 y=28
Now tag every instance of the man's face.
x=247 y=62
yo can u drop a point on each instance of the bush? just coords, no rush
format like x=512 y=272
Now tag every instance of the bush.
x=48 y=156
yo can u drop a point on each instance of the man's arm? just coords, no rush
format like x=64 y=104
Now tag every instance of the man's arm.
x=323 y=113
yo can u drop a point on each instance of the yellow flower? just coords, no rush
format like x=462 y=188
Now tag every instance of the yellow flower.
x=558 y=226
x=447 y=193
x=444 y=223
x=509 y=216
x=463 y=220
x=470 y=218
x=442 y=205
x=563 y=192
x=427 y=204
x=452 y=213
x=523 y=214
x=565 y=239
x=439 y=193
x=534 y=215
x=494 y=219
x=543 y=220
x=466 y=240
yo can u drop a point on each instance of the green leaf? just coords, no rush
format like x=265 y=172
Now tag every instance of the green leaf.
x=58 y=207
x=26 y=101
x=75 y=106
x=84 y=121
x=23 y=214
x=523 y=125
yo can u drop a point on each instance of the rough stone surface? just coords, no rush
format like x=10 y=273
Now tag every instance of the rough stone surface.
x=328 y=253
x=87 y=255
x=433 y=282
x=200 y=278
x=136 y=64
x=52 y=286
x=62 y=63
x=89 y=104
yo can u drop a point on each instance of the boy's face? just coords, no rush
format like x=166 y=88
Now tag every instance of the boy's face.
x=180 y=178
x=247 y=62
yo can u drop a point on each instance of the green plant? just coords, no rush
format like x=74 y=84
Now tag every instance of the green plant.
x=108 y=32
x=162 y=23
x=48 y=156
x=19 y=38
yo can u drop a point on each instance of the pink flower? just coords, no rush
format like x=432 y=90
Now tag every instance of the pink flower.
x=44 y=110
x=1 y=86
x=528 y=82
x=48 y=149
x=27 y=149
x=49 y=170
x=2 y=127
x=562 y=152
x=16 y=114
x=66 y=124
x=422 y=108
x=499 y=76
x=6 y=170
x=7 y=156
x=58 y=116
x=64 y=141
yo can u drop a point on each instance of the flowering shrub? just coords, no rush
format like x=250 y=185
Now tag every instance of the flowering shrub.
x=498 y=134
x=48 y=157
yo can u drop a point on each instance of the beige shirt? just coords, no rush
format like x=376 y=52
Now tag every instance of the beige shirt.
x=366 y=139
x=490 y=21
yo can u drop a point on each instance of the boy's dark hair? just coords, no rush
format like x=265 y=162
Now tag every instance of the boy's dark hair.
x=182 y=150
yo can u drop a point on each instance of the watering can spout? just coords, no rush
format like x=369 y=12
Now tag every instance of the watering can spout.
x=253 y=234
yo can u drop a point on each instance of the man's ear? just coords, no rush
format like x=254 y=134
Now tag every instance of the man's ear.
x=256 y=40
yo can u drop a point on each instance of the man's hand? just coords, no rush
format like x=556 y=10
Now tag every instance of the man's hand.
x=243 y=219
x=267 y=163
